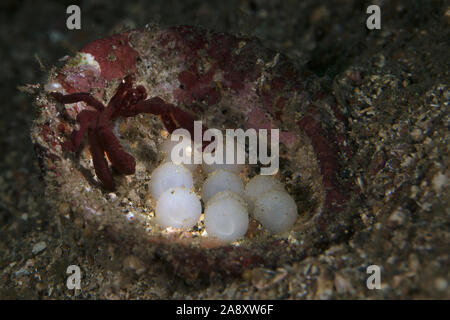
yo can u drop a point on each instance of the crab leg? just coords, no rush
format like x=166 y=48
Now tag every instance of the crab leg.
x=121 y=160
x=78 y=97
x=85 y=118
x=100 y=163
x=173 y=117
x=116 y=100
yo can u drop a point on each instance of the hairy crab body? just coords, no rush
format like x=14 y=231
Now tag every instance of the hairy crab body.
x=192 y=74
x=127 y=102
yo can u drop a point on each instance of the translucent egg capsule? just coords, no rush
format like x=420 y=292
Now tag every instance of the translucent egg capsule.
x=221 y=180
x=169 y=175
x=226 y=216
x=178 y=208
x=276 y=211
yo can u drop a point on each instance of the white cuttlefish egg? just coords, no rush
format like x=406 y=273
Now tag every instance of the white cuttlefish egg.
x=226 y=216
x=166 y=152
x=276 y=210
x=232 y=167
x=178 y=208
x=221 y=180
x=257 y=186
x=169 y=175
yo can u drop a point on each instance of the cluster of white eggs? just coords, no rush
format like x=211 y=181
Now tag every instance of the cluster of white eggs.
x=228 y=203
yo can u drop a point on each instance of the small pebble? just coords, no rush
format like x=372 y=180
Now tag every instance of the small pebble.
x=39 y=247
x=441 y=284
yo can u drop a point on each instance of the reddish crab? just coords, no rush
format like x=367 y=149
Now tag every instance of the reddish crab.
x=126 y=102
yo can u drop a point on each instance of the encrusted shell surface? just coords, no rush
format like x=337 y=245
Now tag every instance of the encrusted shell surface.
x=228 y=82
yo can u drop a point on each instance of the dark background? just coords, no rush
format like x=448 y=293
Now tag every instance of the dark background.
x=323 y=38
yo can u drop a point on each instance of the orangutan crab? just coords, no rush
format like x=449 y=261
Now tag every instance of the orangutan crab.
x=126 y=102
